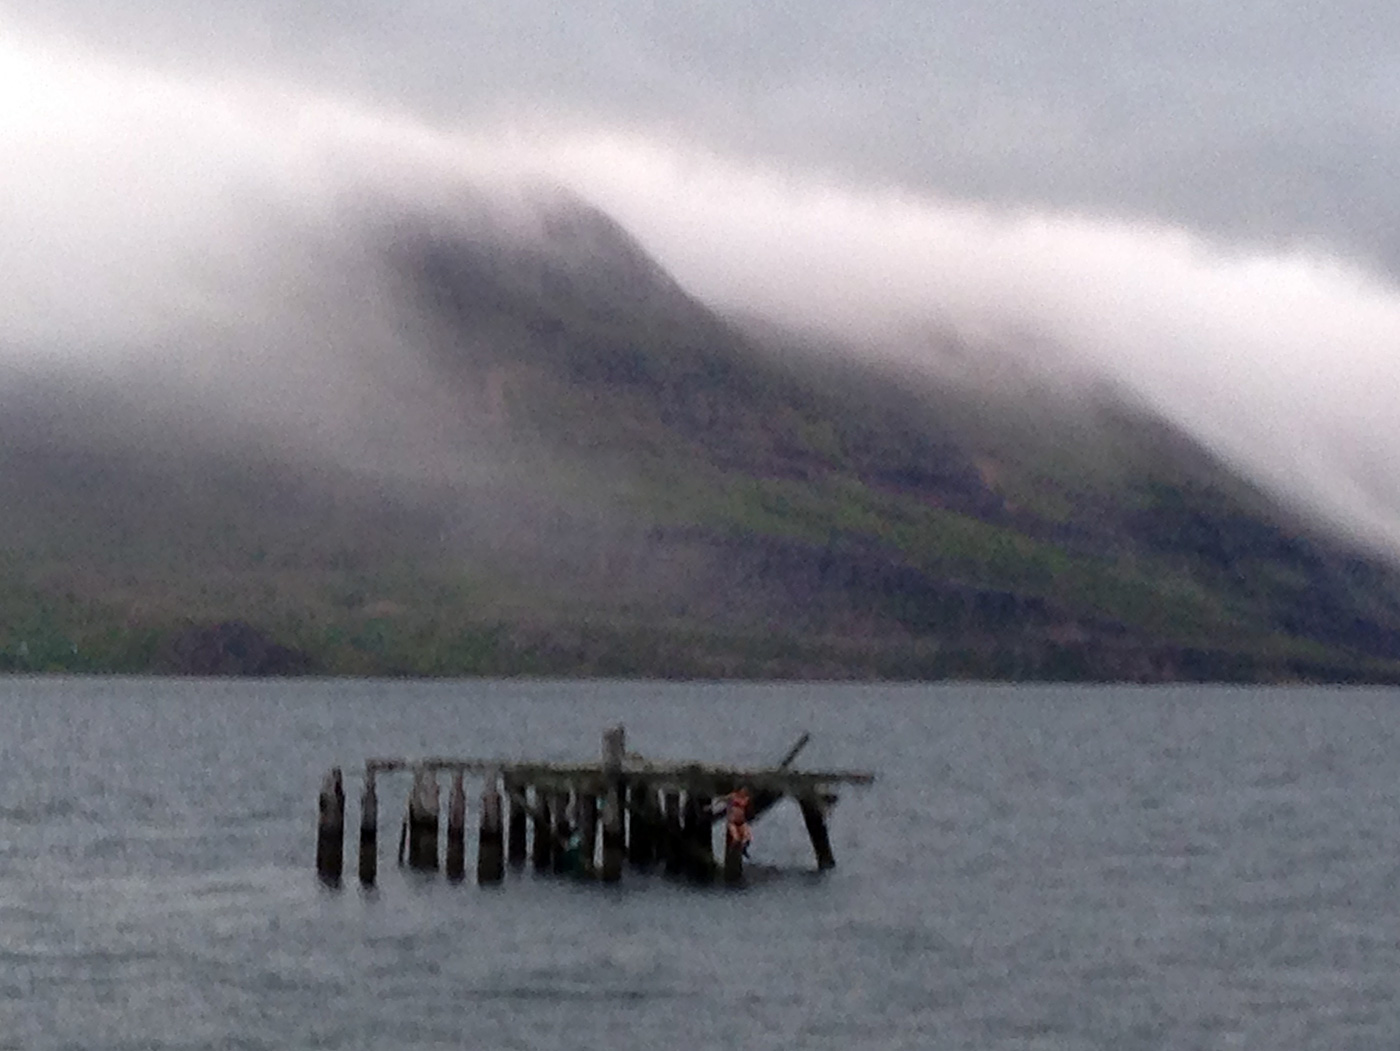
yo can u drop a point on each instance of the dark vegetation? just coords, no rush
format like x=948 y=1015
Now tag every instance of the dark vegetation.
x=671 y=497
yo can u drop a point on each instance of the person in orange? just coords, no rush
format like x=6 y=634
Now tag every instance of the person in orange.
x=737 y=819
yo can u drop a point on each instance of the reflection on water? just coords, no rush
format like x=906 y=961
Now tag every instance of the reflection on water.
x=1050 y=868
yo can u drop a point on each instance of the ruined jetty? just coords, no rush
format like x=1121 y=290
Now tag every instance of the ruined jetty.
x=590 y=820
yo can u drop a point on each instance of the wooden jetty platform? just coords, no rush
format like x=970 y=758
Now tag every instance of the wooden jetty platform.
x=587 y=819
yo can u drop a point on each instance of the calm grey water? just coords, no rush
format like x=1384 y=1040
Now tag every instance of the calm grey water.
x=1047 y=868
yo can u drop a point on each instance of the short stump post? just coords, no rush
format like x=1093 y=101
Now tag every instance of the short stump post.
x=423 y=821
x=490 y=852
x=369 y=831
x=330 y=828
x=457 y=829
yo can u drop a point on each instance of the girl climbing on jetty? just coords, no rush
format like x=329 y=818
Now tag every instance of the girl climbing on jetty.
x=736 y=824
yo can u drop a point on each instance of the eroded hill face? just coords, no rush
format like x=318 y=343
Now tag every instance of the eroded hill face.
x=538 y=453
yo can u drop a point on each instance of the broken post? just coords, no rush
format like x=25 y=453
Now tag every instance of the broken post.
x=614 y=748
x=490 y=853
x=423 y=820
x=815 y=819
x=457 y=829
x=369 y=831
x=515 y=827
x=330 y=828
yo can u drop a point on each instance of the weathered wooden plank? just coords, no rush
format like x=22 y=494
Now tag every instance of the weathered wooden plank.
x=330 y=828
x=716 y=780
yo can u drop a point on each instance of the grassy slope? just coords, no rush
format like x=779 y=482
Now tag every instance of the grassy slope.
x=774 y=521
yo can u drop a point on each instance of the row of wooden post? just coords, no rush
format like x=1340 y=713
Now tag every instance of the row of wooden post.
x=665 y=827
x=661 y=830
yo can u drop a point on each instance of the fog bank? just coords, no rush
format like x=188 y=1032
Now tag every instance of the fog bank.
x=210 y=245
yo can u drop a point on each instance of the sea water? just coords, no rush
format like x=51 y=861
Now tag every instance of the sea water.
x=1035 y=868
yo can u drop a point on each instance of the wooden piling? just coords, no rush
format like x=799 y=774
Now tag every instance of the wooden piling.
x=614 y=816
x=423 y=821
x=490 y=852
x=588 y=830
x=559 y=811
x=457 y=829
x=673 y=843
x=815 y=819
x=330 y=828
x=614 y=841
x=515 y=828
x=703 y=847
x=369 y=832
x=641 y=843
x=733 y=858
x=542 y=846
x=696 y=837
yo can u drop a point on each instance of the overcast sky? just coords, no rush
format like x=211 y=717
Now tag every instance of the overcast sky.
x=1268 y=121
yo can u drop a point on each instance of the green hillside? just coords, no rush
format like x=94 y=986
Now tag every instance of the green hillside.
x=668 y=495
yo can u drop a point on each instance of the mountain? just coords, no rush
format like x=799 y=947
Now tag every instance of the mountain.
x=562 y=463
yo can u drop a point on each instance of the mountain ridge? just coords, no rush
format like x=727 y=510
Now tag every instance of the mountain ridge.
x=632 y=484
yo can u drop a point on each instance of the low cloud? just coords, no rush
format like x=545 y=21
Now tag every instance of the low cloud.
x=208 y=243
x=1286 y=365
